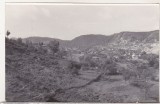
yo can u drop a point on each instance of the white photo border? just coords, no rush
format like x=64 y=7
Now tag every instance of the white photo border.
x=28 y=2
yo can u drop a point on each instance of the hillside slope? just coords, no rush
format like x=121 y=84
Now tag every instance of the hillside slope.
x=87 y=41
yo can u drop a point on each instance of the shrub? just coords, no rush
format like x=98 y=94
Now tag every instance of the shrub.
x=74 y=67
x=54 y=46
x=109 y=67
x=62 y=53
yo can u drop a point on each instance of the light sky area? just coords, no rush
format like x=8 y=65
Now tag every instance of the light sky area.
x=69 y=21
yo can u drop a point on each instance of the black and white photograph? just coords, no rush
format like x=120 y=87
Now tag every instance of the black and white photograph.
x=82 y=53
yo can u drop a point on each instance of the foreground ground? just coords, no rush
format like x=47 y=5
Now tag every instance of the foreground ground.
x=111 y=89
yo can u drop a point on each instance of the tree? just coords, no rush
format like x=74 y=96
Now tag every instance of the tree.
x=8 y=33
x=54 y=46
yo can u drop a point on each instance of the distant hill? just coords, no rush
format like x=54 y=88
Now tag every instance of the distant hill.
x=138 y=37
x=42 y=39
x=153 y=37
x=87 y=41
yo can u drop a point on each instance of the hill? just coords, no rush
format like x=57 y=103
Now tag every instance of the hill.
x=87 y=41
x=43 y=39
x=136 y=37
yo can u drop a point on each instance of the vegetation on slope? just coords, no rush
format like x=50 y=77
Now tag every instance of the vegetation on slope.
x=44 y=72
x=33 y=72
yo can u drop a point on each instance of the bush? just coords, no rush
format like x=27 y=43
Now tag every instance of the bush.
x=74 y=67
x=62 y=53
x=109 y=67
x=54 y=46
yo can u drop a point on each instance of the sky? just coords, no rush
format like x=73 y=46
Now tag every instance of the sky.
x=69 y=21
